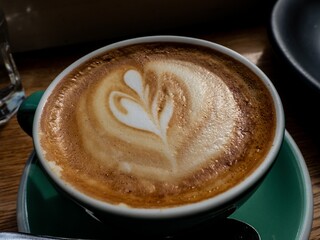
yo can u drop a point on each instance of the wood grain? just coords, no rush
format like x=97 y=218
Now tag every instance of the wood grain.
x=39 y=68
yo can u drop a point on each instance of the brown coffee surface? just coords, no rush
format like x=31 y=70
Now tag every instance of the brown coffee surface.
x=157 y=125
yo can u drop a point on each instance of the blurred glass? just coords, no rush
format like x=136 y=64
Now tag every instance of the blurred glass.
x=11 y=90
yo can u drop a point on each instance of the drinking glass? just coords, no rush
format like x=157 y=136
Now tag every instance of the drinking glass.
x=11 y=90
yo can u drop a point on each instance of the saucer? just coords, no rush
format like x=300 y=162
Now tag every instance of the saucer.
x=282 y=207
x=294 y=29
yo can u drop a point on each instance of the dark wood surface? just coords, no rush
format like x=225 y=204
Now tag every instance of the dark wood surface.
x=39 y=68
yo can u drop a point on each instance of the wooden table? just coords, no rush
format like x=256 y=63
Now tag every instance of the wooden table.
x=39 y=68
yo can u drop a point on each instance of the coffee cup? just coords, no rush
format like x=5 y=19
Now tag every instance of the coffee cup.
x=157 y=134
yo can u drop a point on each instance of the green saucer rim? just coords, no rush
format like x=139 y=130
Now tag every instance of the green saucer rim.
x=305 y=188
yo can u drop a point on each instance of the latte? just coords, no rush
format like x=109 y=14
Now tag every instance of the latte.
x=157 y=125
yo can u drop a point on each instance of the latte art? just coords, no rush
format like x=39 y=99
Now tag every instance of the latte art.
x=158 y=124
x=140 y=114
x=147 y=115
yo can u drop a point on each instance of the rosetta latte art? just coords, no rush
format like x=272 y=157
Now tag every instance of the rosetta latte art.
x=161 y=122
x=140 y=113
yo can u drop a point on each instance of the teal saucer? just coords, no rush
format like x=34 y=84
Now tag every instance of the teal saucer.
x=282 y=207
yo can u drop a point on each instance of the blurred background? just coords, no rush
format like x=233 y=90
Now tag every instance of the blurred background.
x=38 y=24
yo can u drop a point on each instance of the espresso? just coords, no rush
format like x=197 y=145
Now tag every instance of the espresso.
x=157 y=125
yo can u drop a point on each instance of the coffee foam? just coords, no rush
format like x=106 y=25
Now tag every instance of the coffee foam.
x=149 y=125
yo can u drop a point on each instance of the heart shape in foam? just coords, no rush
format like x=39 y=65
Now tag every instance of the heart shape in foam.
x=139 y=113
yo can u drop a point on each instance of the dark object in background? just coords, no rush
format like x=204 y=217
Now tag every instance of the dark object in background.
x=295 y=30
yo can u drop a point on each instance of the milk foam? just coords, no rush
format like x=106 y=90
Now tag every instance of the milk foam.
x=145 y=120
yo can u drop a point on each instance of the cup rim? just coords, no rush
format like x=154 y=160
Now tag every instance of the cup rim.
x=176 y=211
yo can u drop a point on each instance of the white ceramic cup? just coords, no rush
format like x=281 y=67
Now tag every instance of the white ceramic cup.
x=172 y=219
